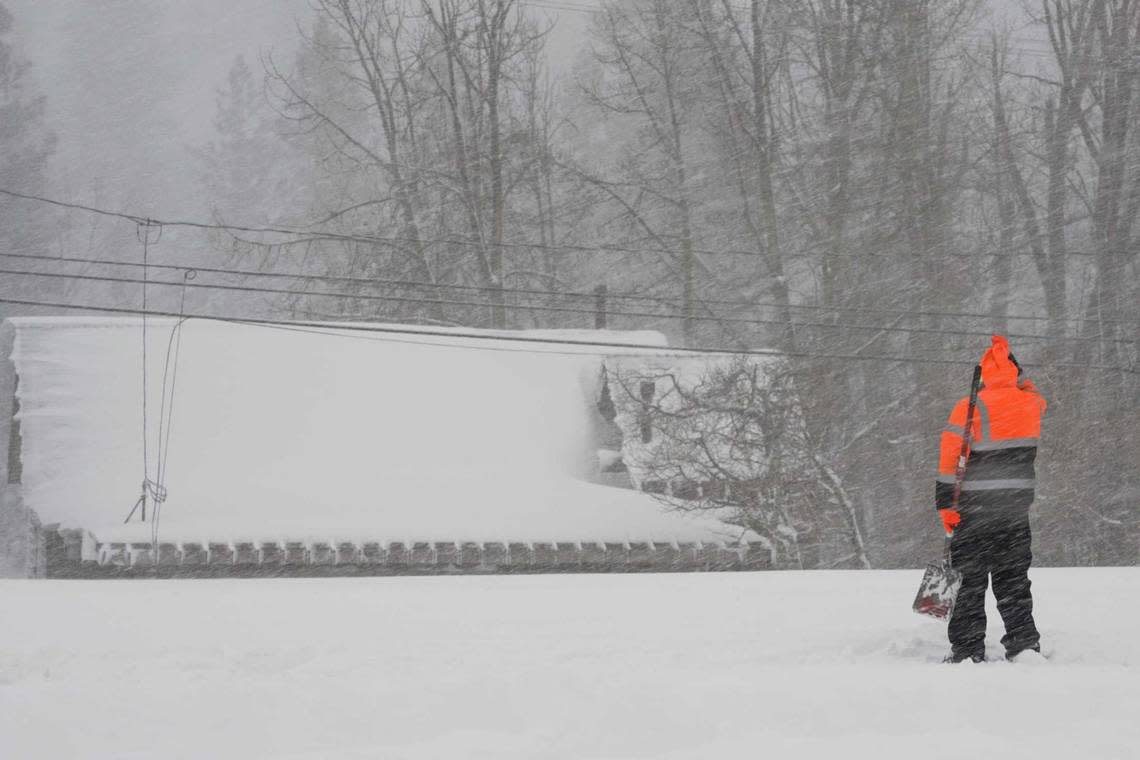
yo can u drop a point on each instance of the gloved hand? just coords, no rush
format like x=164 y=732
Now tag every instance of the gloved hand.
x=950 y=519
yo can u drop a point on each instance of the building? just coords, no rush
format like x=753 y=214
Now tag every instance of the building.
x=319 y=449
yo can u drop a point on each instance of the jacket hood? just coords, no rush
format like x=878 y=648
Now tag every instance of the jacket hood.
x=997 y=370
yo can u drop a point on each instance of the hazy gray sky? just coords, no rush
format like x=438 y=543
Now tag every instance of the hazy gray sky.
x=131 y=84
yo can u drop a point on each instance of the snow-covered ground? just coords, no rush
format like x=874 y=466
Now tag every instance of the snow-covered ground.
x=782 y=665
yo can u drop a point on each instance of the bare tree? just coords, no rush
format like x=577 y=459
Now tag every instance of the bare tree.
x=743 y=55
x=729 y=437
x=26 y=145
x=641 y=57
x=391 y=75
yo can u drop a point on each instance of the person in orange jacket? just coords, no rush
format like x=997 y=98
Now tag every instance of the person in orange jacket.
x=990 y=528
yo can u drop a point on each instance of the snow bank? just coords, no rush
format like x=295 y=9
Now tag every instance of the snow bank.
x=324 y=434
x=788 y=665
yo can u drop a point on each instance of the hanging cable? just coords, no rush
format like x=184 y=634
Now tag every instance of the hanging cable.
x=166 y=410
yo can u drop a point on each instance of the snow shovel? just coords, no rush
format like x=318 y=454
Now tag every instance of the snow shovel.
x=940 y=584
x=939 y=589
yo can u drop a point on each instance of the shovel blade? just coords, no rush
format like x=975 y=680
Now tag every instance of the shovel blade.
x=938 y=591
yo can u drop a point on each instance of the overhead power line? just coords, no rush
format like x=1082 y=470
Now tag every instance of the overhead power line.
x=149 y=222
x=359 y=238
x=320 y=234
x=381 y=332
x=544 y=308
x=532 y=292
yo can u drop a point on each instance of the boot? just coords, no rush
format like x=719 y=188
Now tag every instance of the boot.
x=1032 y=654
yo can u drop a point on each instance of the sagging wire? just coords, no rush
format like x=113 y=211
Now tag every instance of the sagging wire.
x=166 y=410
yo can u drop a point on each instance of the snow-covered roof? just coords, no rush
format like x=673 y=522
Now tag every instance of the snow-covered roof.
x=295 y=433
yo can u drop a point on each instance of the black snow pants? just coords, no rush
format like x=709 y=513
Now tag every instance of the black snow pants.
x=997 y=545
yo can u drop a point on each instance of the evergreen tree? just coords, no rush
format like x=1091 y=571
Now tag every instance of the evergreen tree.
x=244 y=169
x=26 y=145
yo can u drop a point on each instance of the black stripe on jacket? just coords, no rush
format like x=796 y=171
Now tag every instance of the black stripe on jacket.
x=993 y=476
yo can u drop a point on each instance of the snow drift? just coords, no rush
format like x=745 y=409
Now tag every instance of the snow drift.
x=821 y=665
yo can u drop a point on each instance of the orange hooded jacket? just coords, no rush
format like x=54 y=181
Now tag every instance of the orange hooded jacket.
x=1004 y=436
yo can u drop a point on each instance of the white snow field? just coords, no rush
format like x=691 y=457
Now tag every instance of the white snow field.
x=781 y=665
